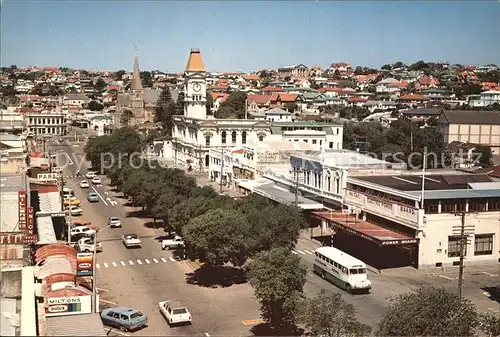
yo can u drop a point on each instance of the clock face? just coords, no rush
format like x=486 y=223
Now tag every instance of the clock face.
x=197 y=87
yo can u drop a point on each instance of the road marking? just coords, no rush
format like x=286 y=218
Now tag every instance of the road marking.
x=106 y=265
x=252 y=321
x=445 y=277
x=485 y=273
x=308 y=252
x=116 y=331
x=3 y=179
x=100 y=196
x=131 y=262
x=170 y=258
x=294 y=252
x=493 y=309
x=139 y=261
x=301 y=252
x=163 y=260
x=206 y=334
x=69 y=158
x=98 y=266
x=147 y=261
x=156 y=261
x=114 y=264
x=123 y=263
x=103 y=290
x=100 y=300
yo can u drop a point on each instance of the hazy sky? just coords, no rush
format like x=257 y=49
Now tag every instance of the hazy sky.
x=248 y=35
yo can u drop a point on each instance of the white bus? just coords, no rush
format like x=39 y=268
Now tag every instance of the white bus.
x=341 y=269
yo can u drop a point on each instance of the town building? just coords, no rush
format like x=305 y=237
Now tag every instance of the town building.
x=195 y=133
x=47 y=123
x=486 y=98
x=478 y=127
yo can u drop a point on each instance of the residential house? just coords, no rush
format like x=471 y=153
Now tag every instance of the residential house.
x=290 y=102
x=272 y=90
x=299 y=71
x=436 y=94
x=478 y=127
x=490 y=86
x=11 y=121
x=421 y=113
x=391 y=85
x=75 y=100
x=218 y=99
x=303 y=83
x=412 y=99
x=356 y=101
x=278 y=115
x=341 y=67
x=258 y=103
x=484 y=99
x=373 y=106
x=427 y=82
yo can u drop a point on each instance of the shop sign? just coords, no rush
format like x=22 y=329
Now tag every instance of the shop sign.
x=22 y=200
x=48 y=176
x=62 y=306
x=31 y=221
x=84 y=264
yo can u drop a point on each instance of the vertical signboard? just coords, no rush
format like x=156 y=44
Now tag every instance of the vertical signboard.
x=30 y=226
x=22 y=201
x=84 y=264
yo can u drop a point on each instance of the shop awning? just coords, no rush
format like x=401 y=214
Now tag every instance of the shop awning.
x=380 y=235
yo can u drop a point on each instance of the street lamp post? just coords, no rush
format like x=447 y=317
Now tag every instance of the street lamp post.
x=94 y=271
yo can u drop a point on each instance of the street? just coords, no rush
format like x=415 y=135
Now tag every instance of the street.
x=140 y=278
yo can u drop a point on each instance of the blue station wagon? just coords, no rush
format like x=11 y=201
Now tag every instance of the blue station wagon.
x=125 y=319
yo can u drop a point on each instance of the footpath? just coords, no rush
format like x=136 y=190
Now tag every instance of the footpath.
x=203 y=180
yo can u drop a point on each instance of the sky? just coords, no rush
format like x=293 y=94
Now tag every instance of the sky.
x=246 y=35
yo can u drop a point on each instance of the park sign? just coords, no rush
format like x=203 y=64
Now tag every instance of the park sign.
x=48 y=176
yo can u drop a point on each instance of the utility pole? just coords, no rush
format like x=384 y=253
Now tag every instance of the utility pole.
x=221 y=169
x=462 y=247
x=174 y=144
x=296 y=188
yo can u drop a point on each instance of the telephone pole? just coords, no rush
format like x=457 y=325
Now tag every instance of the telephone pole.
x=296 y=189
x=463 y=232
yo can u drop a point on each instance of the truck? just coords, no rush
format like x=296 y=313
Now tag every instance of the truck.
x=175 y=243
x=86 y=245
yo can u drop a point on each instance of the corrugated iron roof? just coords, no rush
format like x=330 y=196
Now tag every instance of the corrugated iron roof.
x=75 y=325
x=54 y=265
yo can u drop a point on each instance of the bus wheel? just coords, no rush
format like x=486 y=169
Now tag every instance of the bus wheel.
x=348 y=288
x=323 y=275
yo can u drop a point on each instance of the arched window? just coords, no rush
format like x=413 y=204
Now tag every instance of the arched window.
x=244 y=137
x=207 y=160
x=223 y=137
x=233 y=137
x=207 y=140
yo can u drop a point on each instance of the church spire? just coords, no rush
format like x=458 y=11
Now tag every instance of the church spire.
x=136 y=74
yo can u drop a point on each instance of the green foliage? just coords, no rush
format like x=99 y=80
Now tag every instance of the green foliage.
x=329 y=315
x=100 y=85
x=485 y=155
x=233 y=106
x=219 y=236
x=126 y=116
x=95 y=106
x=165 y=109
x=278 y=278
x=429 y=312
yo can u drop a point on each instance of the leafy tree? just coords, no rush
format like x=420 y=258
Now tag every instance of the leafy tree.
x=490 y=324
x=278 y=278
x=163 y=204
x=100 y=85
x=386 y=67
x=210 y=104
x=117 y=76
x=165 y=109
x=179 y=105
x=429 y=312
x=8 y=90
x=484 y=155
x=418 y=65
x=358 y=70
x=329 y=315
x=233 y=106
x=147 y=79
x=398 y=64
x=287 y=78
x=219 y=236
x=95 y=106
x=127 y=116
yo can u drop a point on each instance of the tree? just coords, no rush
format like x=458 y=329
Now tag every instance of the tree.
x=418 y=66
x=100 y=85
x=490 y=324
x=219 y=236
x=210 y=104
x=95 y=106
x=233 y=106
x=165 y=109
x=429 y=312
x=484 y=155
x=278 y=278
x=179 y=105
x=117 y=76
x=329 y=315
x=126 y=116
x=386 y=67
x=147 y=79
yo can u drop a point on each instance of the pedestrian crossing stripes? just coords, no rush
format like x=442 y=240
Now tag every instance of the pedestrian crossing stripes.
x=134 y=262
x=302 y=252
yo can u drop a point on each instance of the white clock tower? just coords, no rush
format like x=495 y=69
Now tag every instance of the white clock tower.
x=195 y=87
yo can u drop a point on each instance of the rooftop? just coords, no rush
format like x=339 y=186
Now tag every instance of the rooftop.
x=75 y=325
x=195 y=63
x=471 y=117
x=344 y=159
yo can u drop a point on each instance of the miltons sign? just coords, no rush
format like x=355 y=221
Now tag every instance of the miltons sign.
x=61 y=306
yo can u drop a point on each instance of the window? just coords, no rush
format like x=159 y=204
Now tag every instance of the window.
x=233 y=137
x=353 y=271
x=124 y=317
x=111 y=313
x=244 y=137
x=261 y=138
x=477 y=205
x=493 y=204
x=207 y=140
x=223 y=137
x=483 y=244
x=454 y=246
x=116 y=315
x=305 y=140
x=330 y=145
x=314 y=141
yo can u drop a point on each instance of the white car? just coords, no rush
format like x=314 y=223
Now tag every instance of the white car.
x=96 y=180
x=174 y=314
x=114 y=221
x=82 y=230
x=84 y=184
x=131 y=240
x=74 y=210
x=175 y=243
x=90 y=175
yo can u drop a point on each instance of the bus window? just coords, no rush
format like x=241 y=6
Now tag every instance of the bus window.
x=362 y=271
x=344 y=270
x=353 y=271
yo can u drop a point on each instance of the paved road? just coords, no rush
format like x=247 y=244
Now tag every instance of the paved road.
x=142 y=277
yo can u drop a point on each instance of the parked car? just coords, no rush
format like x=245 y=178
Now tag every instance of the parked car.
x=74 y=210
x=82 y=230
x=86 y=245
x=96 y=180
x=92 y=197
x=90 y=174
x=174 y=314
x=84 y=184
x=114 y=221
x=131 y=240
x=175 y=243
x=71 y=201
x=123 y=318
x=68 y=193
